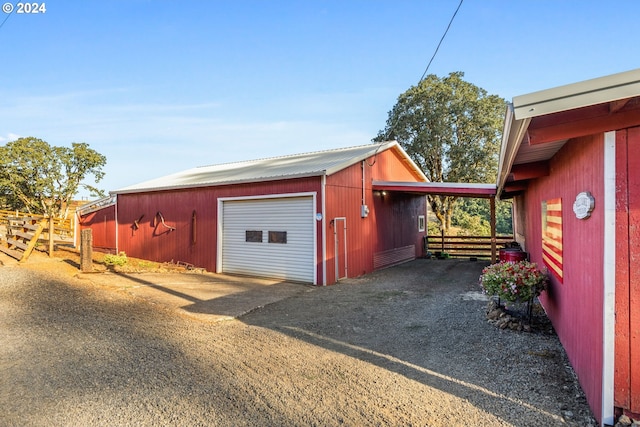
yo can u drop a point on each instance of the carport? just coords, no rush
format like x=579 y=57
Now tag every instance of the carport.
x=456 y=189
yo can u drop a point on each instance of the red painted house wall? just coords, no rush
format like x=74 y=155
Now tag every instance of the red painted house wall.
x=627 y=326
x=103 y=224
x=575 y=305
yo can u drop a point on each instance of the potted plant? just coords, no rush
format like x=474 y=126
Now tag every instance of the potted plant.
x=518 y=282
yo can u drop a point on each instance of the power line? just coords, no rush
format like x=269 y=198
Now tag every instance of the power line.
x=440 y=42
x=392 y=125
x=5 y=19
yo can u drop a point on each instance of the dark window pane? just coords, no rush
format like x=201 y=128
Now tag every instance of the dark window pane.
x=253 y=236
x=277 y=237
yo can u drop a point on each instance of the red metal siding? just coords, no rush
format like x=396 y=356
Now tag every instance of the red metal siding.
x=103 y=226
x=155 y=241
x=392 y=222
x=575 y=306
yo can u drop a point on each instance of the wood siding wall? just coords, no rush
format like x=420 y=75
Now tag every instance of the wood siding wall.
x=627 y=328
x=103 y=226
x=575 y=306
x=155 y=241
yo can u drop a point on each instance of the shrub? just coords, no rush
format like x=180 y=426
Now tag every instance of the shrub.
x=112 y=260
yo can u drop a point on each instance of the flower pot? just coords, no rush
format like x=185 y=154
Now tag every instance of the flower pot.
x=512 y=255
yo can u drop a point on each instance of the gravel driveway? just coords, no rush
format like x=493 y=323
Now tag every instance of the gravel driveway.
x=409 y=345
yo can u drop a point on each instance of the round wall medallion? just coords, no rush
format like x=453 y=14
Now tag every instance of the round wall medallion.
x=584 y=204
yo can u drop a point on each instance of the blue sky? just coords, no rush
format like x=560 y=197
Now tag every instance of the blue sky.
x=162 y=86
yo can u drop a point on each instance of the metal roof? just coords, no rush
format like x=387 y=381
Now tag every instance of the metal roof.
x=576 y=95
x=275 y=168
x=96 y=205
x=515 y=148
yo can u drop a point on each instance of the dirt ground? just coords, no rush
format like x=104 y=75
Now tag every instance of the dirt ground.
x=409 y=345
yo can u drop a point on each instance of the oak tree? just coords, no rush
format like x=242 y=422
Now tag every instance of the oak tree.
x=43 y=179
x=451 y=129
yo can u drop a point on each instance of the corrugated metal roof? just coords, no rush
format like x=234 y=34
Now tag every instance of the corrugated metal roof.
x=285 y=167
x=96 y=205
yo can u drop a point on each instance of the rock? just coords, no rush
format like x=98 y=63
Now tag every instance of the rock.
x=493 y=314
x=624 y=421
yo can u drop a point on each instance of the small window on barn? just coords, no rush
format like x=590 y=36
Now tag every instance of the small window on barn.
x=277 y=237
x=253 y=236
x=421 y=223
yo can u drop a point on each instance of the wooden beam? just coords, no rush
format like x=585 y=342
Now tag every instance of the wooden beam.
x=526 y=171
x=582 y=127
x=515 y=187
x=34 y=240
x=615 y=106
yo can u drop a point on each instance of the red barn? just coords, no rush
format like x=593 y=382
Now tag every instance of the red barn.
x=311 y=217
x=100 y=217
x=570 y=159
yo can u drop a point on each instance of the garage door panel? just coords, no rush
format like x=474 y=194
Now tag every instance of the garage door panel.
x=293 y=260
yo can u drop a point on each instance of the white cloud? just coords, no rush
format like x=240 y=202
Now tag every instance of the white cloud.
x=9 y=137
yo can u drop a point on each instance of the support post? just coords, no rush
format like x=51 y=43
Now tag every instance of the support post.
x=51 y=231
x=86 y=251
x=492 y=203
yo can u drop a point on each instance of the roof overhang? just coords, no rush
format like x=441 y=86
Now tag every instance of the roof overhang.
x=136 y=190
x=304 y=165
x=577 y=95
x=438 y=188
x=537 y=125
x=96 y=205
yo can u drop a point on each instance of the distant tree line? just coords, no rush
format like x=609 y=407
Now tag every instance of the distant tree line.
x=473 y=217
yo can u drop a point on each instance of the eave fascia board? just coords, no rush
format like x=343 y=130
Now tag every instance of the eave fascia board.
x=96 y=205
x=512 y=135
x=215 y=184
x=383 y=147
x=576 y=95
x=379 y=149
x=443 y=188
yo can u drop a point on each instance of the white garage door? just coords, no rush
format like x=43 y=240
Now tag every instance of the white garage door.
x=269 y=238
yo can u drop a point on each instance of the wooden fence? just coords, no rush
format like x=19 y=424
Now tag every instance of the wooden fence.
x=20 y=232
x=64 y=226
x=463 y=246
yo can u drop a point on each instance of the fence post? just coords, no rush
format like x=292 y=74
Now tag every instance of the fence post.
x=51 y=231
x=492 y=208
x=86 y=250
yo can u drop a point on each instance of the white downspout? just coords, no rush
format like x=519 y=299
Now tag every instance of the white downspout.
x=324 y=228
x=363 y=201
x=116 y=220
x=609 y=285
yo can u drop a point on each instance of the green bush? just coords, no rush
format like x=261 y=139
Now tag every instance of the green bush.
x=120 y=259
